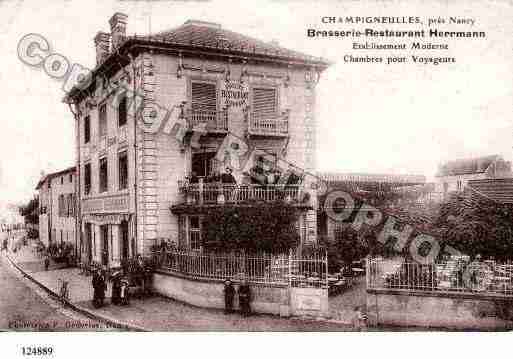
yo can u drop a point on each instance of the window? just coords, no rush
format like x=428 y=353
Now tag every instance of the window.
x=103 y=175
x=122 y=112
x=102 y=118
x=195 y=232
x=62 y=180
x=70 y=178
x=264 y=102
x=87 y=178
x=203 y=96
x=123 y=170
x=87 y=129
x=203 y=163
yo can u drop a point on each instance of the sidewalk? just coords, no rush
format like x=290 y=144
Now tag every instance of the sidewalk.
x=158 y=313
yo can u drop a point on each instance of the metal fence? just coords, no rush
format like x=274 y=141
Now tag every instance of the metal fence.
x=210 y=193
x=284 y=269
x=456 y=274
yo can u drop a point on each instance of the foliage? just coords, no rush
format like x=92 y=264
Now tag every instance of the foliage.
x=30 y=211
x=256 y=227
x=477 y=226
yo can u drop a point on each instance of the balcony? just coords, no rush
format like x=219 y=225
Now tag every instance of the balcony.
x=219 y=193
x=215 y=121
x=275 y=125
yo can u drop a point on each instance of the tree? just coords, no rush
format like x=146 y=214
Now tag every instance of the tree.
x=477 y=225
x=252 y=227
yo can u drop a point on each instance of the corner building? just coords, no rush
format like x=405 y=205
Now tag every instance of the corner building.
x=140 y=136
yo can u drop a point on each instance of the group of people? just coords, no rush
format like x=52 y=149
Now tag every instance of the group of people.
x=244 y=297
x=120 y=288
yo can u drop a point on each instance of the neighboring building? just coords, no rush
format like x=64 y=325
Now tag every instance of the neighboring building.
x=57 y=207
x=133 y=185
x=368 y=187
x=496 y=189
x=453 y=176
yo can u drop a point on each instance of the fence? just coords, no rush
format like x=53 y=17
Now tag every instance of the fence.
x=264 y=268
x=214 y=120
x=457 y=275
x=210 y=193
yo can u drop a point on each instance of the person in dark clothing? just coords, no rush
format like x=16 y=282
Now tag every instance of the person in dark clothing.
x=194 y=178
x=47 y=262
x=99 y=287
x=116 y=289
x=245 y=298
x=227 y=177
x=229 y=294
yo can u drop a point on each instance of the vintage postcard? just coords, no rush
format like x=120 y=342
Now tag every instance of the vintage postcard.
x=270 y=166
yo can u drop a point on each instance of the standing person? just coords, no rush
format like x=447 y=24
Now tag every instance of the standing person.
x=245 y=298
x=229 y=294
x=99 y=289
x=47 y=262
x=116 y=289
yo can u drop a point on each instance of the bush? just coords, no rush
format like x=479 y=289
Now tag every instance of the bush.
x=255 y=227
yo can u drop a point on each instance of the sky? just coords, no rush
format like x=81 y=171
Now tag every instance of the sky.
x=404 y=118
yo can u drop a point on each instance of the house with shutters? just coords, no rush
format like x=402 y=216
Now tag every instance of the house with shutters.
x=453 y=176
x=165 y=114
x=57 y=207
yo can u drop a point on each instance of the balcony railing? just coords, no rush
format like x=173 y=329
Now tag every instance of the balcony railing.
x=270 y=125
x=215 y=121
x=218 y=193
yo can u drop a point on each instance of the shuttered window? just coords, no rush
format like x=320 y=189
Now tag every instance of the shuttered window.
x=103 y=120
x=265 y=102
x=203 y=96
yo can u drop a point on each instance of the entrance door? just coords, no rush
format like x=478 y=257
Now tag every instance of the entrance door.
x=104 y=232
x=88 y=242
x=125 y=252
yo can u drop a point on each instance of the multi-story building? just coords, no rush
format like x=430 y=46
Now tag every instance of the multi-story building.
x=144 y=159
x=453 y=176
x=57 y=207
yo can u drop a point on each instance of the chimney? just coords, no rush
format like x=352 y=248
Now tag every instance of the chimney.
x=101 y=42
x=118 y=28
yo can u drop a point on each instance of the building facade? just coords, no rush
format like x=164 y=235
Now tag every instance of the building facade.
x=57 y=207
x=454 y=176
x=164 y=115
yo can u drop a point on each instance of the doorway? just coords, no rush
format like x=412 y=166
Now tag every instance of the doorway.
x=104 y=233
x=125 y=244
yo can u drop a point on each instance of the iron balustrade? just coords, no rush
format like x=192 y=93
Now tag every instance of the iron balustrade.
x=269 y=125
x=455 y=275
x=217 y=193
x=215 y=121
x=283 y=269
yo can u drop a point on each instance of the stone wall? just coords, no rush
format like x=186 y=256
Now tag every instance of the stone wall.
x=270 y=299
x=266 y=298
x=439 y=309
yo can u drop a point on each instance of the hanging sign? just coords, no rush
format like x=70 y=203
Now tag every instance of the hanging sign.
x=235 y=94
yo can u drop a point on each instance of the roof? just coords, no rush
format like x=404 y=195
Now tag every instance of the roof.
x=211 y=36
x=49 y=176
x=497 y=189
x=336 y=177
x=207 y=38
x=466 y=166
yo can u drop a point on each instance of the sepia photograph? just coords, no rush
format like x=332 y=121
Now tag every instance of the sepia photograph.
x=271 y=166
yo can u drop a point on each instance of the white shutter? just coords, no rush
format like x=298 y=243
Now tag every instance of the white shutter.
x=264 y=102
x=204 y=96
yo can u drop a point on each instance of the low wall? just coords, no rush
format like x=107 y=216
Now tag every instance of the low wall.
x=439 y=309
x=270 y=299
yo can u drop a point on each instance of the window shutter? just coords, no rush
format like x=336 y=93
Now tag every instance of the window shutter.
x=204 y=96
x=264 y=102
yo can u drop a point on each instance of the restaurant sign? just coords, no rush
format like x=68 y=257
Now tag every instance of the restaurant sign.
x=235 y=93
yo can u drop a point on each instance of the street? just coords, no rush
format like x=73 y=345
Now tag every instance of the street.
x=25 y=307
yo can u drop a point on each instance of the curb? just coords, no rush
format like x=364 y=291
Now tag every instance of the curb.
x=88 y=313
